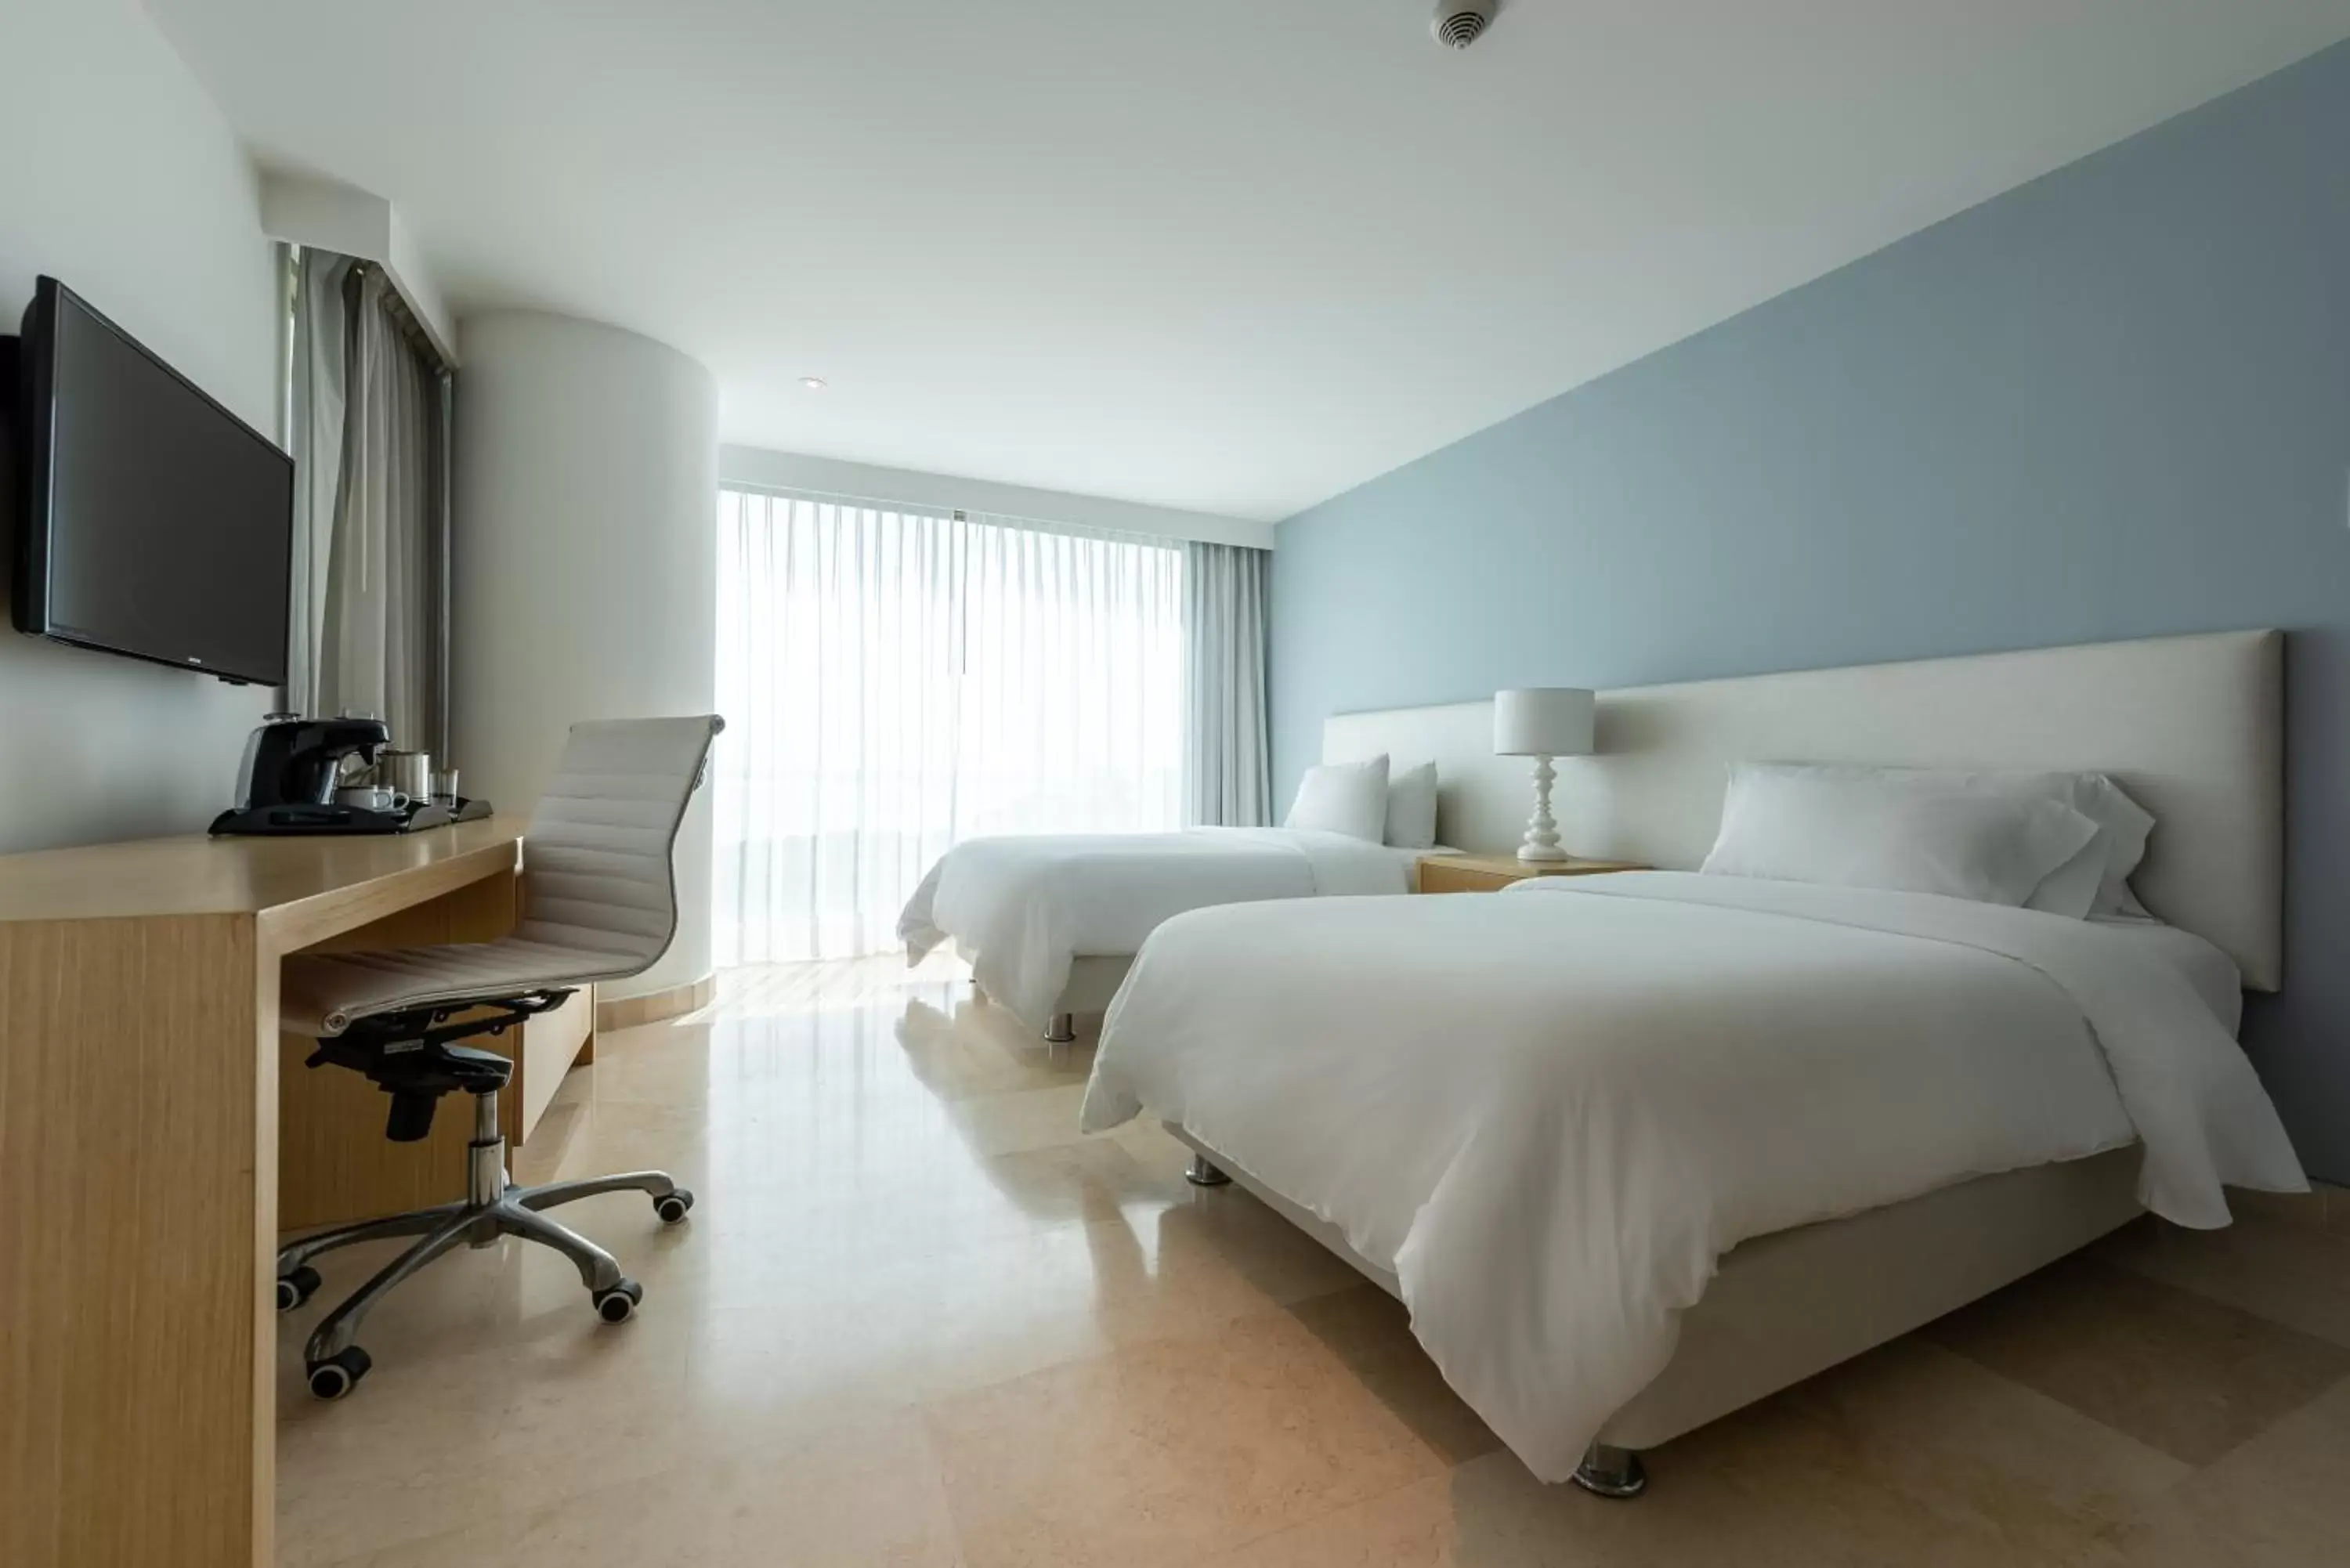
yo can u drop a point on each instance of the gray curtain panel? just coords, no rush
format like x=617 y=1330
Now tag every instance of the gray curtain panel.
x=320 y=362
x=1227 y=766
x=367 y=605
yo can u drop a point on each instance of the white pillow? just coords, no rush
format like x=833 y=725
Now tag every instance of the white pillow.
x=1411 y=807
x=2071 y=890
x=1848 y=829
x=2093 y=880
x=2126 y=825
x=1343 y=797
x=2096 y=880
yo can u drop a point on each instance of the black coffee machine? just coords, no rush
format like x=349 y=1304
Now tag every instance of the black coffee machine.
x=288 y=782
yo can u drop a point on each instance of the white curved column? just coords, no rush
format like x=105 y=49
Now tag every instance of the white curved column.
x=585 y=563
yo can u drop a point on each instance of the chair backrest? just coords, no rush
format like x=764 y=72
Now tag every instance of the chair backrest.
x=596 y=859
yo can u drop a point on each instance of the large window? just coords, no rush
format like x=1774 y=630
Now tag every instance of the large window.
x=894 y=681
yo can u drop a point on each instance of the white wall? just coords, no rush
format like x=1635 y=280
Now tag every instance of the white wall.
x=313 y=212
x=586 y=562
x=118 y=175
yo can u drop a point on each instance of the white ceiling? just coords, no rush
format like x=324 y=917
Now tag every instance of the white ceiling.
x=1230 y=255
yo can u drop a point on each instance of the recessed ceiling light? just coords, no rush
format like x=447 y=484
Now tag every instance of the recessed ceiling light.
x=813 y=383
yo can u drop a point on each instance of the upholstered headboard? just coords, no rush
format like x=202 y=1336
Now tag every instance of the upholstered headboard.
x=2192 y=726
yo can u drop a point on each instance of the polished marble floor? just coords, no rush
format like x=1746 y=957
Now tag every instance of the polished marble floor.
x=917 y=1320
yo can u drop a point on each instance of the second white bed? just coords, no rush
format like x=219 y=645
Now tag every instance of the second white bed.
x=1026 y=909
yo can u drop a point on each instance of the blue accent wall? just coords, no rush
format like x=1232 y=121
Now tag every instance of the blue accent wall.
x=2113 y=402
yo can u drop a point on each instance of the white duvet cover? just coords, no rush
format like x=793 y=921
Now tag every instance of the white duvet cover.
x=1551 y=1112
x=1023 y=908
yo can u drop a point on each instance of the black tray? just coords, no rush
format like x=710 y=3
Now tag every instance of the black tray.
x=313 y=820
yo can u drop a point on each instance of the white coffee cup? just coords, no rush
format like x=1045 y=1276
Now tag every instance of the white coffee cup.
x=370 y=797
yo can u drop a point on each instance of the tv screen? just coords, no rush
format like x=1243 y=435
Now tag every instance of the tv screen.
x=153 y=522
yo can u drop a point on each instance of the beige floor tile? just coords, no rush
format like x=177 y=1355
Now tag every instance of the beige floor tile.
x=1909 y=1455
x=666 y=1063
x=1417 y=1526
x=751 y=990
x=431 y=1441
x=865 y=1495
x=1161 y=1453
x=972 y=1049
x=2281 y=1501
x=933 y=1322
x=1974 y=1445
x=1228 y=1225
x=1159 y=1151
x=1020 y=1119
x=587 y=1137
x=1841 y=1480
x=2317 y=1206
x=2289 y=1267
x=1370 y=1331
x=2183 y=1374
x=769 y=1225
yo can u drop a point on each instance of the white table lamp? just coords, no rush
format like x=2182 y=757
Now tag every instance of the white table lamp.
x=1543 y=722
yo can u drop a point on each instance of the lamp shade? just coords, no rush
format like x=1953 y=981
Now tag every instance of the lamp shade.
x=1542 y=722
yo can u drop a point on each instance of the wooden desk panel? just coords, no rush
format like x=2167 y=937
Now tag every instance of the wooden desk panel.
x=140 y=1064
x=480 y=910
x=304 y=889
x=135 y=1154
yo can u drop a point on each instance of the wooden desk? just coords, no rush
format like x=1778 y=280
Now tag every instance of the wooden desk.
x=140 y=1084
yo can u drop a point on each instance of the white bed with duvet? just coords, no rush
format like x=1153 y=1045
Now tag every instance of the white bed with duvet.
x=1636 y=1150
x=1050 y=922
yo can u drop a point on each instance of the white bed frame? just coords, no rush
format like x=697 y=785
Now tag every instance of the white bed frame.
x=2192 y=726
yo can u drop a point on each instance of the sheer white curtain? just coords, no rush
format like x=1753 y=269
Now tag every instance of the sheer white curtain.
x=894 y=681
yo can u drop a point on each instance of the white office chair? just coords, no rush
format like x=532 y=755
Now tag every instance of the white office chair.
x=598 y=903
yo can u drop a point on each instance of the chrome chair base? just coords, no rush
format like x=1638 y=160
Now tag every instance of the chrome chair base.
x=1061 y=1028
x=332 y=1359
x=1613 y=1472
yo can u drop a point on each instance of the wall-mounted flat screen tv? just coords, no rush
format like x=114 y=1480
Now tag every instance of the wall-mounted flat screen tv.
x=150 y=521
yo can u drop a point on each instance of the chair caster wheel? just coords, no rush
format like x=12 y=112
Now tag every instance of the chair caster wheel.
x=296 y=1287
x=340 y=1373
x=619 y=1305
x=674 y=1206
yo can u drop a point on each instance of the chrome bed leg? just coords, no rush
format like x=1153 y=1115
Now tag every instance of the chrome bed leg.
x=1061 y=1029
x=1611 y=1472
x=1203 y=1172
